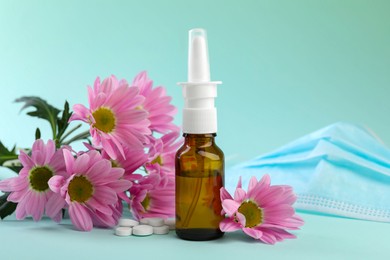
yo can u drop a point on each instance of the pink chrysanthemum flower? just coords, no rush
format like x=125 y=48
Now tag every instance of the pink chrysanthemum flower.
x=264 y=212
x=91 y=190
x=157 y=103
x=115 y=115
x=162 y=154
x=134 y=158
x=153 y=196
x=31 y=189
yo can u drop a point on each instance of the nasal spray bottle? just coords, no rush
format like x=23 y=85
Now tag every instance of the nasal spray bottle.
x=199 y=162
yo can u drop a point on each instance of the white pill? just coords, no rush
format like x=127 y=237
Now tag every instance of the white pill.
x=142 y=230
x=156 y=222
x=123 y=231
x=145 y=221
x=163 y=230
x=127 y=222
x=171 y=223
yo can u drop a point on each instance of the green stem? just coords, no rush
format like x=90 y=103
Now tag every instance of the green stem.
x=8 y=157
x=80 y=136
x=69 y=133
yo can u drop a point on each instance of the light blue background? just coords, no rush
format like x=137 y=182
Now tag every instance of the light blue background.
x=288 y=67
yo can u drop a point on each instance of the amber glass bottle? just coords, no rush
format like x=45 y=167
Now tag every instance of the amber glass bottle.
x=199 y=178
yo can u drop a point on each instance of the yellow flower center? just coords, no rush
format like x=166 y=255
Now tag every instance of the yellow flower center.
x=252 y=212
x=104 y=119
x=115 y=164
x=80 y=189
x=157 y=160
x=39 y=176
x=146 y=202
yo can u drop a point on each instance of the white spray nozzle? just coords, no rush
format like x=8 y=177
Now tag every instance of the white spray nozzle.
x=198 y=57
x=199 y=113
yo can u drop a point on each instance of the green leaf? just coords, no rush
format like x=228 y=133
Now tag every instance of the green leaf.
x=6 y=155
x=37 y=134
x=6 y=207
x=43 y=110
x=63 y=122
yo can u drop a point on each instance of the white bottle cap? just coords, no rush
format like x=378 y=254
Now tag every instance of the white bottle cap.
x=199 y=113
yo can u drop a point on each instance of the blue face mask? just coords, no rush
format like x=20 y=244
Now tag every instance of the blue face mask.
x=341 y=170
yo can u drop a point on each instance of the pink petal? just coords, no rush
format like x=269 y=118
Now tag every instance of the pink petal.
x=272 y=235
x=278 y=212
x=16 y=196
x=69 y=161
x=38 y=157
x=98 y=170
x=99 y=101
x=57 y=218
x=96 y=205
x=57 y=162
x=230 y=206
x=91 y=94
x=38 y=145
x=105 y=195
x=105 y=220
x=256 y=234
x=21 y=212
x=134 y=115
x=18 y=183
x=118 y=147
x=252 y=183
x=115 y=173
x=81 y=163
x=282 y=234
x=80 y=217
x=241 y=219
x=263 y=183
x=35 y=205
x=54 y=205
x=109 y=148
x=80 y=112
x=229 y=225
x=49 y=151
x=239 y=184
x=5 y=185
x=285 y=197
x=26 y=160
x=293 y=223
x=56 y=182
x=268 y=238
x=120 y=185
x=268 y=195
x=239 y=194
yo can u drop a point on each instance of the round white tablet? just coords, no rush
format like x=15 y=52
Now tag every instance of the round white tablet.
x=170 y=222
x=144 y=221
x=127 y=222
x=142 y=230
x=123 y=231
x=163 y=230
x=156 y=222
